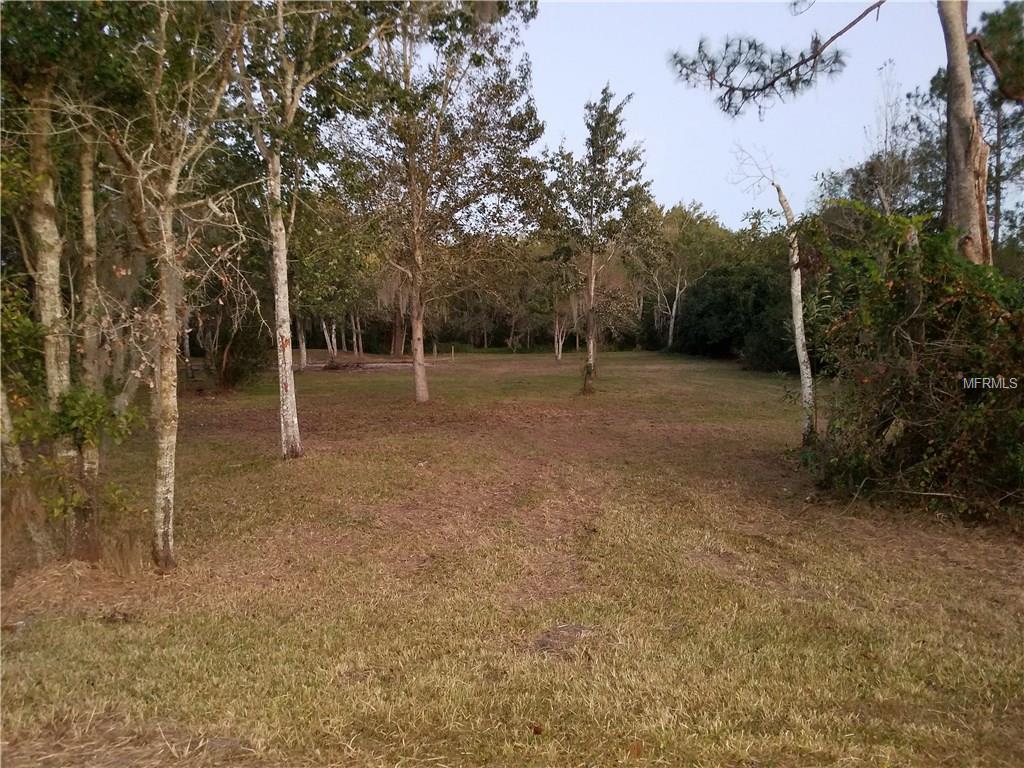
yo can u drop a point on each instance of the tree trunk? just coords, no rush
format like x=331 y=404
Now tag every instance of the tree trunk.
x=809 y=430
x=590 y=368
x=559 y=335
x=997 y=198
x=419 y=363
x=291 y=443
x=966 y=150
x=14 y=463
x=672 y=315
x=344 y=336
x=300 y=326
x=166 y=396
x=186 y=348
x=332 y=343
x=48 y=246
x=89 y=292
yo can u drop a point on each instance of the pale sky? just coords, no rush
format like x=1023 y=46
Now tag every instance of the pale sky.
x=576 y=47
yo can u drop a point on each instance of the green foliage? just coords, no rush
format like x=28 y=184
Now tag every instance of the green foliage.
x=909 y=325
x=739 y=310
x=23 y=373
x=83 y=416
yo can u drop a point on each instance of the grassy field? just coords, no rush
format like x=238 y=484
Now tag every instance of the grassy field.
x=514 y=575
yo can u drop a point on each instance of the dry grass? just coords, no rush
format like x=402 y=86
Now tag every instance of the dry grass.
x=515 y=575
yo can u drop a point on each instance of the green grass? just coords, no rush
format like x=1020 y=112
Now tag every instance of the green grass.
x=515 y=575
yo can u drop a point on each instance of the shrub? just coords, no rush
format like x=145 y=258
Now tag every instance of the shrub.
x=911 y=322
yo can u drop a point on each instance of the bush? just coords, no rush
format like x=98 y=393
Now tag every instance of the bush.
x=740 y=310
x=909 y=324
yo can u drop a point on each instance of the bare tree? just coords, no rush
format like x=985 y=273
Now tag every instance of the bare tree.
x=757 y=174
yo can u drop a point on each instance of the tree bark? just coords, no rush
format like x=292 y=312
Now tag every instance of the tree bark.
x=560 y=332
x=48 y=247
x=809 y=429
x=291 y=443
x=14 y=462
x=332 y=343
x=966 y=150
x=672 y=314
x=590 y=368
x=166 y=410
x=419 y=363
x=300 y=326
x=89 y=292
x=997 y=197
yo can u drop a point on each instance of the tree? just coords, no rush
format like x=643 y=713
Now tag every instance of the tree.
x=448 y=147
x=596 y=202
x=183 y=64
x=291 y=59
x=758 y=174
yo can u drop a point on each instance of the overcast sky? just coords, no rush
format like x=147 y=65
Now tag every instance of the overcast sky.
x=576 y=47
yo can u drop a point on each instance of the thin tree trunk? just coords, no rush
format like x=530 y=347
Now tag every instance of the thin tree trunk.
x=186 y=347
x=89 y=293
x=166 y=401
x=590 y=368
x=966 y=150
x=672 y=314
x=809 y=430
x=419 y=363
x=344 y=336
x=997 y=199
x=48 y=247
x=14 y=463
x=559 y=335
x=330 y=341
x=300 y=326
x=291 y=443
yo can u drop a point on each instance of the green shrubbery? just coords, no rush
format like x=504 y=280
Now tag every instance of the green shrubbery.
x=740 y=310
x=909 y=322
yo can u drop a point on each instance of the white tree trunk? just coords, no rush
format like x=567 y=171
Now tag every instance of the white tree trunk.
x=672 y=313
x=329 y=339
x=966 y=150
x=291 y=443
x=590 y=368
x=809 y=430
x=48 y=247
x=560 y=332
x=419 y=363
x=89 y=293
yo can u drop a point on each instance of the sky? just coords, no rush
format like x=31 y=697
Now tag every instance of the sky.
x=577 y=47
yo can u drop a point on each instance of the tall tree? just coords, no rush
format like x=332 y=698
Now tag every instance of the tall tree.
x=597 y=199
x=292 y=62
x=182 y=62
x=448 y=149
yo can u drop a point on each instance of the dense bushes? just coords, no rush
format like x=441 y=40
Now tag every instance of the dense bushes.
x=909 y=323
x=740 y=310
